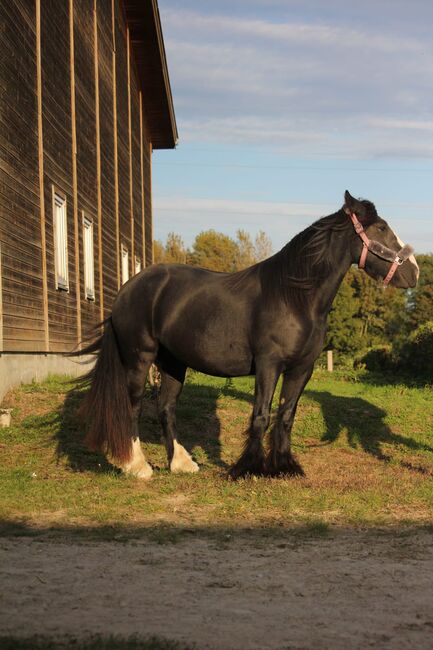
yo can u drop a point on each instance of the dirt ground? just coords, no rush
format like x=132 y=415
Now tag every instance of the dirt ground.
x=349 y=589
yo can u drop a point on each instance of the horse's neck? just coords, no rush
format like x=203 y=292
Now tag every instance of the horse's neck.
x=328 y=286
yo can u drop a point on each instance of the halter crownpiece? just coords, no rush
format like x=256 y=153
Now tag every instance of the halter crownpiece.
x=380 y=250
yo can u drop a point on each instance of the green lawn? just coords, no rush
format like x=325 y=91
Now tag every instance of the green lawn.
x=367 y=450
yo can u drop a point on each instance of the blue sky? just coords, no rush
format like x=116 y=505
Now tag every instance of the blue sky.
x=283 y=104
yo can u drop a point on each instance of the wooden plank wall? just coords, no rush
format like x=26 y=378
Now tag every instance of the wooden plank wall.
x=57 y=130
x=86 y=177
x=122 y=131
x=23 y=319
x=86 y=147
x=109 y=245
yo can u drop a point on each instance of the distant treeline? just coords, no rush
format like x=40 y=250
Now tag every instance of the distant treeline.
x=214 y=250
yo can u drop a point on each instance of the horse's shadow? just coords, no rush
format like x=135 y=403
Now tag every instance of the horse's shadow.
x=198 y=425
x=365 y=426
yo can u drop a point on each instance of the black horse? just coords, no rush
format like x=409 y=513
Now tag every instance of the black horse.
x=267 y=320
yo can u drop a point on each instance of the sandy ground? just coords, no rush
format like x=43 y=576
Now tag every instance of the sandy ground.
x=348 y=590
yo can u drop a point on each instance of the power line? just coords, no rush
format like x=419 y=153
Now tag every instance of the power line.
x=292 y=167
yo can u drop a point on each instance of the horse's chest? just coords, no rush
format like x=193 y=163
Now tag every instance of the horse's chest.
x=298 y=341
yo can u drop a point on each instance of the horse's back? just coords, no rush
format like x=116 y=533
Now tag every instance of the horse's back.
x=193 y=313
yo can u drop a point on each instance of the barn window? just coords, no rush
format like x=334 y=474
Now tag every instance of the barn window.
x=60 y=241
x=125 y=264
x=137 y=264
x=89 y=270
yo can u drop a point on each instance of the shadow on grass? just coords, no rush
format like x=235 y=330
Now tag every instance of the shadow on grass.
x=198 y=425
x=394 y=378
x=365 y=425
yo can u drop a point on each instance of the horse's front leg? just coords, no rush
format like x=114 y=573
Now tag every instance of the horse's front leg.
x=252 y=459
x=280 y=461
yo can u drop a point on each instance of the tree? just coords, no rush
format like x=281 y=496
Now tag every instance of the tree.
x=344 y=326
x=263 y=246
x=246 y=254
x=158 y=251
x=421 y=297
x=214 y=250
x=174 y=250
x=382 y=311
x=365 y=314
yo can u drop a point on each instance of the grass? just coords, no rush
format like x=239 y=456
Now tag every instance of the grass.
x=367 y=450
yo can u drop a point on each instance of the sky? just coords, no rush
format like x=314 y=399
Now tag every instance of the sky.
x=282 y=105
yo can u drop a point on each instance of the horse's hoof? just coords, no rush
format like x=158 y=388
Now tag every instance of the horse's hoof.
x=144 y=472
x=189 y=467
x=286 y=466
x=236 y=472
x=182 y=461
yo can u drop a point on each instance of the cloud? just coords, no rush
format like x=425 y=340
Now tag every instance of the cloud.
x=280 y=220
x=318 y=87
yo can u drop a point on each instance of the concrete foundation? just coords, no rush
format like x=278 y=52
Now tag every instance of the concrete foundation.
x=16 y=369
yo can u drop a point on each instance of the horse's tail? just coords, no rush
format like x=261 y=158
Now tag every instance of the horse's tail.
x=106 y=407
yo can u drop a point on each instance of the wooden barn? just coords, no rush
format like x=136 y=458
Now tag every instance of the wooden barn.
x=85 y=100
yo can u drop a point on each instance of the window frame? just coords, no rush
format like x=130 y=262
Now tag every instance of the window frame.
x=61 y=257
x=88 y=257
x=137 y=264
x=124 y=255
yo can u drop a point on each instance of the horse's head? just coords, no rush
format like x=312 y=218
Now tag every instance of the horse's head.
x=377 y=249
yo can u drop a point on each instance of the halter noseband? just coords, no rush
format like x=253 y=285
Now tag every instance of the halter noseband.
x=380 y=250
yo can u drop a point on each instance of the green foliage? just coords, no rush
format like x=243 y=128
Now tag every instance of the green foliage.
x=174 y=251
x=416 y=355
x=344 y=328
x=412 y=358
x=420 y=305
x=377 y=359
x=215 y=250
x=365 y=315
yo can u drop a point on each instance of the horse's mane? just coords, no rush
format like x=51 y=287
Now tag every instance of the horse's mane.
x=296 y=270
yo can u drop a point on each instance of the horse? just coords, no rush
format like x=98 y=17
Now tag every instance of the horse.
x=267 y=320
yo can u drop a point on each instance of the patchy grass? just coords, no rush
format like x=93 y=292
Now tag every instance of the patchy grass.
x=367 y=450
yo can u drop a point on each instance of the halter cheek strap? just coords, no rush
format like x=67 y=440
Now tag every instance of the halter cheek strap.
x=380 y=250
x=359 y=229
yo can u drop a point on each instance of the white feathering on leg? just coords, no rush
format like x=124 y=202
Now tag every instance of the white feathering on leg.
x=138 y=465
x=182 y=461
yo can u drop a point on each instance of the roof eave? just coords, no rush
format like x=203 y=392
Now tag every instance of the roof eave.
x=144 y=23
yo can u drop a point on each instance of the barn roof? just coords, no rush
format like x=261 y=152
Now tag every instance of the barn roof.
x=142 y=17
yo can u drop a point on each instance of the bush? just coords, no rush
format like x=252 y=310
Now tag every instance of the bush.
x=377 y=359
x=416 y=355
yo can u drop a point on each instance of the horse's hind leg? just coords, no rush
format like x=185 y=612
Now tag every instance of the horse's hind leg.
x=172 y=378
x=137 y=465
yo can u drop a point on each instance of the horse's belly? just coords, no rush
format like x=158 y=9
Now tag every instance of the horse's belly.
x=224 y=368
x=211 y=357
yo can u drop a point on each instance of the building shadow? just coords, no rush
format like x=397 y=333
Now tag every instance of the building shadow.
x=365 y=426
x=197 y=418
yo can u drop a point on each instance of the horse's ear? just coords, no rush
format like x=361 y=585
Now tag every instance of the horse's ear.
x=353 y=206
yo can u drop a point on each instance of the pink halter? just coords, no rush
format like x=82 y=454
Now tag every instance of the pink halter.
x=380 y=250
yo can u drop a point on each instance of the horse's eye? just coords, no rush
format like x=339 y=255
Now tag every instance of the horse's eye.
x=382 y=228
